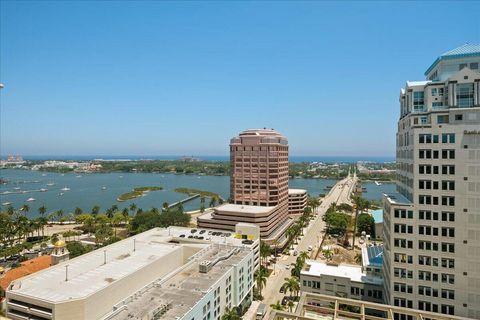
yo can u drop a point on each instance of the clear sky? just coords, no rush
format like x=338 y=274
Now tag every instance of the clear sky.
x=162 y=78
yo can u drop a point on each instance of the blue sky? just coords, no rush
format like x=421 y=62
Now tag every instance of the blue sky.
x=159 y=78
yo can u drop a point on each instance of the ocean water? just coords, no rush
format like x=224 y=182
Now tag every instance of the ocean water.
x=86 y=189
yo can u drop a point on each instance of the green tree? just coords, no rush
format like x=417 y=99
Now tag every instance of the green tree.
x=95 y=210
x=133 y=207
x=231 y=314
x=78 y=211
x=365 y=222
x=125 y=215
x=261 y=279
x=42 y=210
x=25 y=208
x=277 y=306
x=292 y=285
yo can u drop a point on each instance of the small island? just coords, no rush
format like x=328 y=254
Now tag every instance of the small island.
x=202 y=193
x=136 y=193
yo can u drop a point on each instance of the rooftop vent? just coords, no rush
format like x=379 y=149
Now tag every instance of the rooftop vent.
x=205 y=266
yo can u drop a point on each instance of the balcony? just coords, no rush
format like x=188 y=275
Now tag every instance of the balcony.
x=441 y=107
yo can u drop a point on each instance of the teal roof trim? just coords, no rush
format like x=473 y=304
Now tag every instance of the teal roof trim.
x=465 y=51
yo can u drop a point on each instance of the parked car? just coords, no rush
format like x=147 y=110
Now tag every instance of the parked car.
x=310 y=248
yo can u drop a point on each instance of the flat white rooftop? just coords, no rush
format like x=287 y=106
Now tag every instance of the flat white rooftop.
x=354 y=273
x=229 y=207
x=297 y=191
x=89 y=273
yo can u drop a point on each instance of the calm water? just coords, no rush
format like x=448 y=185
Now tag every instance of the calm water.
x=86 y=189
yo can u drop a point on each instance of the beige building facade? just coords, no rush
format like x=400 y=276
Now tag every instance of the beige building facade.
x=432 y=225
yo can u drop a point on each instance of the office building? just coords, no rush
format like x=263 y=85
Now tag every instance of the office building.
x=343 y=280
x=297 y=201
x=432 y=224
x=173 y=273
x=258 y=185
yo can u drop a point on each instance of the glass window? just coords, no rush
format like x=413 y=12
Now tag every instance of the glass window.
x=465 y=95
x=418 y=100
x=474 y=65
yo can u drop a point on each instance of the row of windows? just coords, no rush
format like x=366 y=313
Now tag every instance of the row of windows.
x=431 y=276
x=433 y=231
x=433 y=185
x=431 y=200
x=429 y=215
x=430 y=261
x=434 y=154
x=433 y=246
x=434 y=138
x=429 y=169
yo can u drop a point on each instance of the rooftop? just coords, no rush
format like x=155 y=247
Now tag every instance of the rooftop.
x=297 y=191
x=467 y=50
x=180 y=293
x=26 y=268
x=88 y=273
x=230 y=207
x=397 y=198
x=354 y=273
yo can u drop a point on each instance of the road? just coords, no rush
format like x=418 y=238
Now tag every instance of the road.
x=312 y=236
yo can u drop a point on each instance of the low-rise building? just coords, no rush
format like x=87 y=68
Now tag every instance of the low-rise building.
x=297 y=201
x=173 y=273
x=343 y=280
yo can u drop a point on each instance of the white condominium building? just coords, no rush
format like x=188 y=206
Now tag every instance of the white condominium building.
x=432 y=225
x=174 y=273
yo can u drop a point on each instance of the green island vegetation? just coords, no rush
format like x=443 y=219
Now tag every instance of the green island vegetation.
x=19 y=234
x=202 y=193
x=136 y=193
x=305 y=170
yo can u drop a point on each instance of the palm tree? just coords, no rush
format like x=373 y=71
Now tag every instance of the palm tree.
x=297 y=269
x=277 y=306
x=42 y=210
x=165 y=205
x=125 y=215
x=25 y=208
x=304 y=255
x=78 y=211
x=155 y=210
x=59 y=215
x=290 y=305
x=10 y=211
x=290 y=234
x=231 y=314
x=213 y=201
x=95 y=210
x=260 y=279
x=359 y=204
x=265 y=251
x=133 y=207
x=291 y=284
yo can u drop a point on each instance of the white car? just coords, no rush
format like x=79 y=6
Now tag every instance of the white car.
x=287 y=267
x=310 y=248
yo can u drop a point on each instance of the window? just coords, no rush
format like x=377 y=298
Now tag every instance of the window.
x=461 y=66
x=465 y=95
x=448 y=138
x=418 y=100
x=474 y=65
x=458 y=117
x=442 y=119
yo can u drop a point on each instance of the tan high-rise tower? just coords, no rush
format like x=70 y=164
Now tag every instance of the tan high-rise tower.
x=258 y=184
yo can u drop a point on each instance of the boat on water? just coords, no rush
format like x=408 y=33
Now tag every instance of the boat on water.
x=65 y=189
x=30 y=199
x=61 y=194
x=104 y=188
x=79 y=176
x=16 y=188
x=50 y=184
x=43 y=190
x=6 y=203
x=378 y=183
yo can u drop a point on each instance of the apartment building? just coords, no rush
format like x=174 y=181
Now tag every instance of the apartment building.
x=258 y=185
x=173 y=273
x=432 y=224
x=297 y=201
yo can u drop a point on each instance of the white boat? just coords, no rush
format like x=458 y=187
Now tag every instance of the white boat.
x=65 y=189
x=104 y=188
x=50 y=184
x=6 y=203
x=378 y=183
x=79 y=176
x=30 y=199
x=16 y=188
x=43 y=190
x=61 y=194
